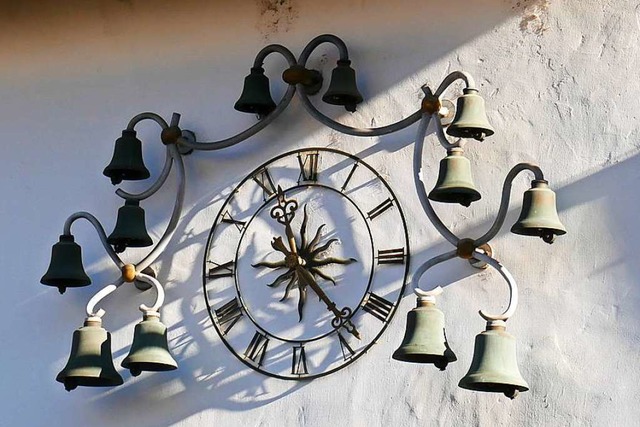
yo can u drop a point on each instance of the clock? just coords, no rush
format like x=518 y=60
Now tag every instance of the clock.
x=306 y=263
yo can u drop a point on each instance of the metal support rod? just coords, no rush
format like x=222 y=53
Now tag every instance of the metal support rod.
x=225 y=143
x=418 y=179
x=168 y=163
x=99 y=229
x=159 y=289
x=147 y=116
x=415 y=280
x=513 y=289
x=323 y=38
x=327 y=121
x=99 y=296
x=470 y=83
x=175 y=215
x=506 y=196
x=274 y=48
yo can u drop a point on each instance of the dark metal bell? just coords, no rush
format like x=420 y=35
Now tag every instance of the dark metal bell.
x=256 y=96
x=149 y=351
x=130 y=230
x=90 y=363
x=424 y=338
x=471 y=118
x=539 y=216
x=494 y=367
x=65 y=269
x=455 y=184
x=126 y=163
x=343 y=89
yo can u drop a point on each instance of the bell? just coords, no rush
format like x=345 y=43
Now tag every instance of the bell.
x=256 y=97
x=455 y=184
x=65 y=269
x=149 y=351
x=130 y=229
x=424 y=339
x=539 y=216
x=494 y=368
x=471 y=119
x=90 y=363
x=343 y=89
x=127 y=163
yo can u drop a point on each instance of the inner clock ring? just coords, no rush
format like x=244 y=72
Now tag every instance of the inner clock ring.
x=261 y=303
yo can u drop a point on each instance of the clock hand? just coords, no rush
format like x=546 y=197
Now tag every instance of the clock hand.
x=341 y=318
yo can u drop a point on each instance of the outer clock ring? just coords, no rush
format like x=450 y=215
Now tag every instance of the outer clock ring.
x=237 y=352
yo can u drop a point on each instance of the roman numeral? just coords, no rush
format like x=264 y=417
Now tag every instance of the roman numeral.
x=380 y=208
x=228 y=219
x=378 y=306
x=227 y=269
x=263 y=179
x=228 y=315
x=299 y=362
x=346 y=182
x=308 y=166
x=347 y=351
x=391 y=256
x=257 y=348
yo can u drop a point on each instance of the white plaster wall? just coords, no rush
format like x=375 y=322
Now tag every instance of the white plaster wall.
x=560 y=80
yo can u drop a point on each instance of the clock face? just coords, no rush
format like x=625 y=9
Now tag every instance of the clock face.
x=306 y=263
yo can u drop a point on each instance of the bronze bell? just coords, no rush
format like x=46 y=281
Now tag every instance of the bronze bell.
x=130 y=229
x=256 y=96
x=539 y=216
x=471 y=118
x=494 y=367
x=149 y=351
x=424 y=338
x=65 y=269
x=455 y=184
x=126 y=163
x=343 y=89
x=90 y=363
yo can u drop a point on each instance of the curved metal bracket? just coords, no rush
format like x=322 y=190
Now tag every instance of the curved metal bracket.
x=415 y=280
x=159 y=289
x=99 y=229
x=513 y=289
x=102 y=294
x=506 y=196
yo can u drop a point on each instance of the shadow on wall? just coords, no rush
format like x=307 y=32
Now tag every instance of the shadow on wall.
x=126 y=31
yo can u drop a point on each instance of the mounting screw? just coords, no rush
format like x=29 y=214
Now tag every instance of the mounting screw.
x=189 y=136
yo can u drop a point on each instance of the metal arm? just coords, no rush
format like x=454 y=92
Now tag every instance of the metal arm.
x=175 y=215
x=101 y=234
x=415 y=281
x=506 y=195
x=102 y=294
x=159 y=289
x=513 y=289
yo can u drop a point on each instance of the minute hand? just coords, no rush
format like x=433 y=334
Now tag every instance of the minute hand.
x=341 y=318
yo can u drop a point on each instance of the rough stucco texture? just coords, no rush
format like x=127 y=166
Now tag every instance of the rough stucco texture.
x=560 y=81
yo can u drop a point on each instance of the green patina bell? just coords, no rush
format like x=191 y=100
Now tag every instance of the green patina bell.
x=471 y=118
x=130 y=229
x=65 y=269
x=343 y=89
x=149 y=351
x=539 y=216
x=126 y=163
x=455 y=184
x=90 y=363
x=494 y=367
x=256 y=96
x=424 y=338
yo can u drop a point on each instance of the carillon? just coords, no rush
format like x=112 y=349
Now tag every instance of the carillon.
x=295 y=257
